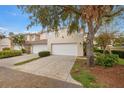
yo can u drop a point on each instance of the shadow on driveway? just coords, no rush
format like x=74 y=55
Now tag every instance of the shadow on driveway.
x=16 y=79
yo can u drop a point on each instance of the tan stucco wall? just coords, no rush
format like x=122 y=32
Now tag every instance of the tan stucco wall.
x=62 y=37
x=27 y=37
x=43 y=36
x=5 y=42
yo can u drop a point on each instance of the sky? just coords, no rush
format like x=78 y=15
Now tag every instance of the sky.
x=13 y=20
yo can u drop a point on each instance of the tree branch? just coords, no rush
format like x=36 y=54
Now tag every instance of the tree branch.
x=116 y=13
x=72 y=9
x=96 y=28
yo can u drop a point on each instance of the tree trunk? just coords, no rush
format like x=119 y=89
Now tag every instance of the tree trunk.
x=89 y=46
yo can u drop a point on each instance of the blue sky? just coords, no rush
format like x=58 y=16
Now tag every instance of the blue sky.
x=13 y=20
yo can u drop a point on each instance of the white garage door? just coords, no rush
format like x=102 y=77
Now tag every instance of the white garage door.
x=37 y=48
x=64 y=49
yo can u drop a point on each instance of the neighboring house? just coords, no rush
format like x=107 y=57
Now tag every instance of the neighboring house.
x=36 y=42
x=5 y=43
x=57 y=44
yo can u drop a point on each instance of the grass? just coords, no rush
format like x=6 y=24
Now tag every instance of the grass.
x=121 y=61
x=27 y=61
x=83 y=75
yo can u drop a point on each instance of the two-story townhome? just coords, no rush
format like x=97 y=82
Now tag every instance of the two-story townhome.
x=5 y=43
x=58 y=44
x=36 y=42
x=64 y=44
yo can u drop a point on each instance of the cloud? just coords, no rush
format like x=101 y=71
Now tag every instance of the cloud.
x=3 y=29
x=14 y=14
x=27 y=31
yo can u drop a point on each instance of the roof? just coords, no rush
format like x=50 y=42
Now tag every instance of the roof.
x=44 y=41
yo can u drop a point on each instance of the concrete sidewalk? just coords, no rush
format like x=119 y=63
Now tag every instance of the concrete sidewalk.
x=9 y=62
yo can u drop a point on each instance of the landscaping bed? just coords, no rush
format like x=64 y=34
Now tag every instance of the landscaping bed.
x=10 y=53
x=110 y=77
x=27 y=61
x=41 y=54
x=98 y=76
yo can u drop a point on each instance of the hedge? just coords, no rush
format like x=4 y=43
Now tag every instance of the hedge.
x=44 y=53
x=10 y=53
x=120 y=53
x=23 y=50
x=98 y=50
x=6 y=49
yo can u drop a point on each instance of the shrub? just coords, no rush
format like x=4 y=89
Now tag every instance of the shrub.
x=118 y=52
x=107 y=60
x=44 y=53
x=23 y=50
x=98 y=50
x=6 y=49
x=97 y=54
x=10 y=53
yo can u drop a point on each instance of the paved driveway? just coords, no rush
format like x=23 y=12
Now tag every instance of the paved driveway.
x=57 y=67
x=16 y=79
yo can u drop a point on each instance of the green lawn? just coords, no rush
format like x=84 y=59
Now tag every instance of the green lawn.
x=27 y=61
x=121 y=61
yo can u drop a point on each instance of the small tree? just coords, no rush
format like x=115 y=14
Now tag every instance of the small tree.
x=11 y=35
x=104 y=39
x=19 y=40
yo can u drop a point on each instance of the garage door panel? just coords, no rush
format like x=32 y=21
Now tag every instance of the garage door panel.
x=64 y=49
x=38 y=48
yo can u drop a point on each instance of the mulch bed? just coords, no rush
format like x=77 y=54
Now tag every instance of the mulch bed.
x=111 y=77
